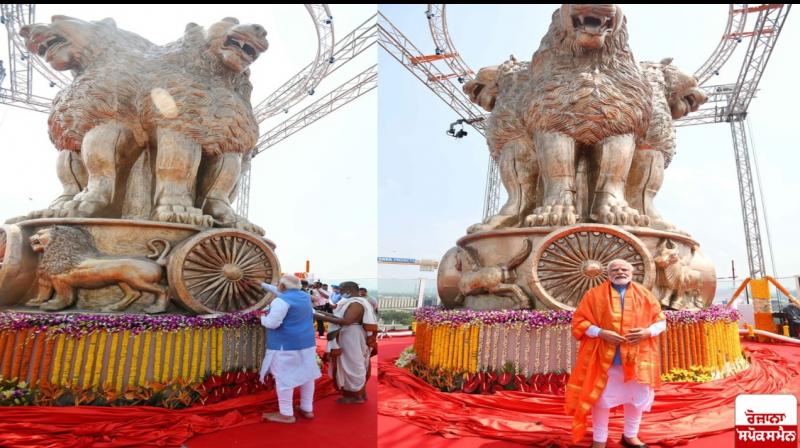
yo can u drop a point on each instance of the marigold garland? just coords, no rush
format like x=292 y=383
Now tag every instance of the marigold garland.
x=463 y=342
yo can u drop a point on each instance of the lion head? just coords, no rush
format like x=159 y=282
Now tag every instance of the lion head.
x=62 y=248
x=484 y=88
x=236 y=46
x=683 y=94
x=584 y=81
x=589 y=25
x=72 y=44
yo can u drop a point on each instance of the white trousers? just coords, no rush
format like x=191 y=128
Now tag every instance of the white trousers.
x=633 y=417
x=285 y=396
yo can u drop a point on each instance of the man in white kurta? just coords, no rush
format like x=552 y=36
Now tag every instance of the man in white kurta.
x=353 y=345
x=291 y=355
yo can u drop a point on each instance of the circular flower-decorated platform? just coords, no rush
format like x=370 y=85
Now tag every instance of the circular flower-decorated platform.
x=130 y=356
x=529 y=350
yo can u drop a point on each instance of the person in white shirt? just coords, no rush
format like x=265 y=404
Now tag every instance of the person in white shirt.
x=291 y=355
x=355 y=328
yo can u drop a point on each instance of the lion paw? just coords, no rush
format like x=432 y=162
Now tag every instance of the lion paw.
x=113 y=307
x=36 y=214
x=620 y=215
x=494 y=222
x=77 y=209
x=53 y=305
x=183 y=215
x=34 y=302
x=155 y=308
x=552 y=215
x=246 y=225
x=61 y=201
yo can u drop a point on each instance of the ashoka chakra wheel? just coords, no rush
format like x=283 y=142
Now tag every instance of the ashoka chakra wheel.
x=221 y=271
x=572 y=260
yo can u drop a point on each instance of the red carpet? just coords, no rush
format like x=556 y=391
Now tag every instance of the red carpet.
x=231 y=423
x=335 y=425
x=681 y=411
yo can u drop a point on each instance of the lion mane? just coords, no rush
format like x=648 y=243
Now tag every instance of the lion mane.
x=675 y=94
x=66 y=249
x=588 y=96
x=119 y=77
x=565 y=88
x=214 y=101
x=106 y=88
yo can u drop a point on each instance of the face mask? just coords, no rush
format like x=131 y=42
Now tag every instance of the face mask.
x=346 y=296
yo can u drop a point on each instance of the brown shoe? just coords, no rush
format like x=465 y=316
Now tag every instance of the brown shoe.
x=628 y=444
x=277 y=417
x=350 y=400
x=304 y=414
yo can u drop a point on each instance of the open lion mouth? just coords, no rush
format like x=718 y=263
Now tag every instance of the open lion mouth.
x=243 y=47
x=592 y=24
x=36 y=244
x=592 y=21
x=690 y=101
x=49 y=44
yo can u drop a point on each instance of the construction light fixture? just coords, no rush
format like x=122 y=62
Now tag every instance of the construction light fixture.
x=460 y=133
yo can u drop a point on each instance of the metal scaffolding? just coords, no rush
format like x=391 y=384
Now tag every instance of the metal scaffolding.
x=306 y=80
x=345 y=93
x=344 y=51
x=727 y=102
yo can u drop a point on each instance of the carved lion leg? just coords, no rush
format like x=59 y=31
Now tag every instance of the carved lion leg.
x=219 y=179
x=104 y=150
x=65 y=297
x=556 y=154
x=160 y=305
x=177 y=161
x=644 y=181
x=43 y=294
x=613 y=156
x=519 y=172
x=130 y=296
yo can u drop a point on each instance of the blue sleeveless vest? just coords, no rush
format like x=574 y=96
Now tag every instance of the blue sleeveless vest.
x=296 y=332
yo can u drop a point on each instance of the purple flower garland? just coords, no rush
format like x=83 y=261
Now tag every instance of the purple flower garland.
x=538 y=319
x=79 y=324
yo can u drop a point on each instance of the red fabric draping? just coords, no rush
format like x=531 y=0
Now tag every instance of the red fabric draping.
x=682 y=411
x=106 y=427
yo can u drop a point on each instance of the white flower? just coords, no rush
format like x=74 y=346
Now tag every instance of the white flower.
x=406 y=357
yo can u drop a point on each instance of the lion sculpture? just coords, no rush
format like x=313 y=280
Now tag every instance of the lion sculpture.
x=659 y=93
x=186 y=103
x=675 y=94
x=71 y=261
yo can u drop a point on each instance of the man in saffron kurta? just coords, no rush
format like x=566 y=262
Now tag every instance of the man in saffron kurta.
x=618 y=361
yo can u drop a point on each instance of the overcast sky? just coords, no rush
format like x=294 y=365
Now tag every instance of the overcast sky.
x=431 y=186
x=313 y=193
